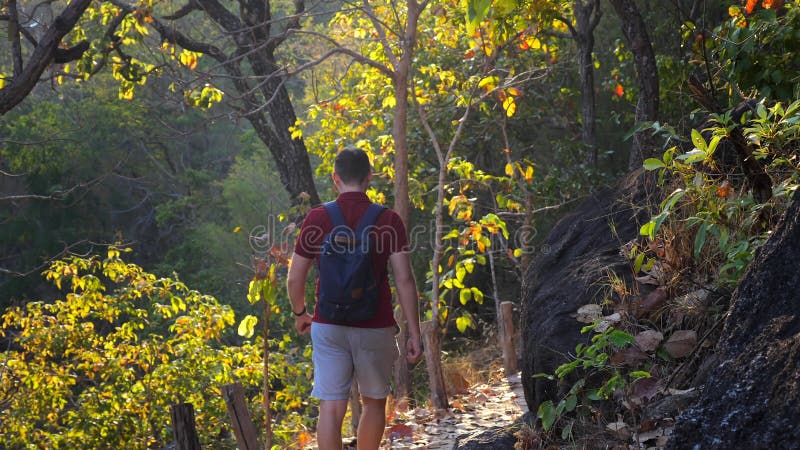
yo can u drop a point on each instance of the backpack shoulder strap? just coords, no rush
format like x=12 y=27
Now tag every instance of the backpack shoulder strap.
x=369 y=218
x=335 y=213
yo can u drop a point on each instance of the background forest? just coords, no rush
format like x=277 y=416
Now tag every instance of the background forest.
x=158 y=151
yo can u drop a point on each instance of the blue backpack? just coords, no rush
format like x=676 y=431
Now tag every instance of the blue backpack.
x=348 y=287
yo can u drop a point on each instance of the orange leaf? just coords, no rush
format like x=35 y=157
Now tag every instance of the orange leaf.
x=619 y=91
x=400 y=430
x=470 y=54
x=451 y=260
x=772 y=4
x=724 y=189
x=303 y=439
x=751 y=4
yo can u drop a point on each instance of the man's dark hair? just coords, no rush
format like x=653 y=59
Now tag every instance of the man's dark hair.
x=352 y=165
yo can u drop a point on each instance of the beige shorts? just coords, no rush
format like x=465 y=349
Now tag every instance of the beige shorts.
x=342 y=353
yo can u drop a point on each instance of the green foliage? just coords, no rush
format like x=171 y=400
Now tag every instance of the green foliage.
x=113 y=171
x=99 y=367
x=591 y=363
x=728 y=225
x=759 y=50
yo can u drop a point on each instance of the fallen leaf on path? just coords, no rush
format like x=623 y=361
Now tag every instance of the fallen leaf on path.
x=648 y=340
x=630 y=356
x=400 y=431
x=681 y=343
x=589 y=313
x=645 y=389
x=619 y=428
x=652 y=302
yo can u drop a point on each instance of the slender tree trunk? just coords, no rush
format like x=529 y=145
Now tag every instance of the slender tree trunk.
x=400 y=135
x=587 y=16
x=635 y=31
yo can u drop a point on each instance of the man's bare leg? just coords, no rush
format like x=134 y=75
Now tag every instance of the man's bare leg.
x=372 y=423
x=329 y=425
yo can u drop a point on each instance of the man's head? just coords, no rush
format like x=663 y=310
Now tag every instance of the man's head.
x=352 y=167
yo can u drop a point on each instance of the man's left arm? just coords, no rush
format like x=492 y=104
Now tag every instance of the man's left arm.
x=406 y=288
x=296 y=286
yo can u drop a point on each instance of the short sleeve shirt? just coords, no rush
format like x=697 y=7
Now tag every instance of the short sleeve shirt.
x=390 y=237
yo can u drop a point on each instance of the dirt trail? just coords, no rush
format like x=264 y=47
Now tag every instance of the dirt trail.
x=485 y=405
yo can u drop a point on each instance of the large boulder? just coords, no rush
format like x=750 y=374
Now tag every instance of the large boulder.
x=752 y=399
x=567 y=273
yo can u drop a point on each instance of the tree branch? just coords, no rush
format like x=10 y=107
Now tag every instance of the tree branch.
x=65 y=55
x=183 y=11
x=569 y=25
x=13 y=35
x=43 y=55
x=379 y=28
x=596 y=15
x=340 y=49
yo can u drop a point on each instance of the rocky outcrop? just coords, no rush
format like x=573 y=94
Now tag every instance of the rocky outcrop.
x=495 y=438
x=575 y=259
x=752 y=399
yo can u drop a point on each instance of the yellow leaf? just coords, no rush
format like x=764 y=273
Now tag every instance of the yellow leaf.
x=237 y=229
x=509 y=169
x=529 y=174
x=510 y=106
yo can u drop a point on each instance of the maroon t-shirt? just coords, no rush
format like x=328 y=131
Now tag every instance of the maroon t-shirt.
x=389 y=237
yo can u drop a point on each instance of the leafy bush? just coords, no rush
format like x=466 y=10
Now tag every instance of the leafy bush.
x=100 y=367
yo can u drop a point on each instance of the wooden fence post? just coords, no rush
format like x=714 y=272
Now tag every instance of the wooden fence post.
x=243 y=428
x=507 y=338
x=183 y=427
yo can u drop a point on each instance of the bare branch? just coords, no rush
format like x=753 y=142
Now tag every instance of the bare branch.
x=42 y=56
x=380 y=28
x=65 y=55
x=183 y=11
x=339 y=49
x=55 y=196
x=13 y=35
x=569 y=25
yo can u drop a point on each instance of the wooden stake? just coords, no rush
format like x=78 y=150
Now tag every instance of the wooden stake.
x=183 y=427
x=506 y=322
x=243 y=428
x=433 y=361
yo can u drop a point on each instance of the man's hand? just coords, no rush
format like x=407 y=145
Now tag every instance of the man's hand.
x=413 y=350
x=296 y=287
x=303 y=323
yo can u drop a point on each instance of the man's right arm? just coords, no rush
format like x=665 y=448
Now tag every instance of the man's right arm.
x=406 y=288
x=296 y=286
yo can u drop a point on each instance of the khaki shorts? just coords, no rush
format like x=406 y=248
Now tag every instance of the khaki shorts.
x=341 y=353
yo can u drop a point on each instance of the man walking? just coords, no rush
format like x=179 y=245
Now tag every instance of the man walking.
x=366 y=349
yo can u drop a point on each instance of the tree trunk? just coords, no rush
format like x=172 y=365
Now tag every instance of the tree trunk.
x=635 y=31
x=183 y=427
x=431 y=340
x=587 y=16
x=400 y=135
